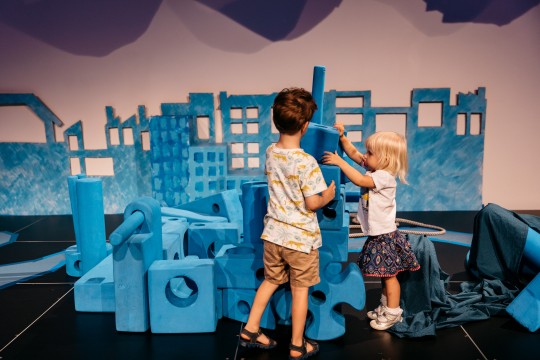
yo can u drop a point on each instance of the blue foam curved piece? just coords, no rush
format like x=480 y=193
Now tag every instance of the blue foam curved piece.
x=531 y=252
x=206 y=239
x=91 y=220
x=11 y=274
x=239 y=267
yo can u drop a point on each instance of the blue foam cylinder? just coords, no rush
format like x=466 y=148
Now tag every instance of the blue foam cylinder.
x=525 y=308
x=317 y=91
x=531 y=252
x=91 y=223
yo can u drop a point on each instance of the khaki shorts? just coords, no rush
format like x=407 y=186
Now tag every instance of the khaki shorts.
x=282 y=264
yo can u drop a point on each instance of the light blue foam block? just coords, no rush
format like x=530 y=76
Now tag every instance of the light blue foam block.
x=182 y=296
x=239 y=267
x=11 y=274
x=331 y=216
x=336 y=242
x=175 y=234
x=525 y=308
x=317 y=91
x=205 y=239
x=318 y=139
x=94 y=291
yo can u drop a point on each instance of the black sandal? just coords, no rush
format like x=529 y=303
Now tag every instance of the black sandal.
x=253 y=343
x=303 y=349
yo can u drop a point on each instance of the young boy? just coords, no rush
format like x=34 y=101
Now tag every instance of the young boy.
x=291 y=233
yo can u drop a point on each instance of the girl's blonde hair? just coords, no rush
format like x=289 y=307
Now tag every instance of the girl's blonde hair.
x=391 y=149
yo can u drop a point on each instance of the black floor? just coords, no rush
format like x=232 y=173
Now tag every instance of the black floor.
x=38 y=318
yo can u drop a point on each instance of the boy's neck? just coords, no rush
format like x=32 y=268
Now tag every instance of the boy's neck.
x=289 y=141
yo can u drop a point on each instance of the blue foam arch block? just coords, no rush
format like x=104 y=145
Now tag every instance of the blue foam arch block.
x=94 y=291
x=318 y=139
x=254 y=204
x=531 y=252
x=91 y=220
x=525 y=308
x=239 y=267
x=205 y=239
x=237 y=304
x=191 y=216
x=182 y=296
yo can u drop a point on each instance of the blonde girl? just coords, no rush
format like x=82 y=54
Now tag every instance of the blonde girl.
x=386 y=251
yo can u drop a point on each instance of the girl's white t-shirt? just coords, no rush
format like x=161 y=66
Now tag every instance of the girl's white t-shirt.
x=377 y=206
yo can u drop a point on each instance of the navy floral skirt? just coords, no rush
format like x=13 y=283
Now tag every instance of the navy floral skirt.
x=386 y=255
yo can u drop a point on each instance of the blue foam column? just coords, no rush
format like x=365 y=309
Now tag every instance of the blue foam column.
x=254 y=205
x=91 y=220
x=317 y=91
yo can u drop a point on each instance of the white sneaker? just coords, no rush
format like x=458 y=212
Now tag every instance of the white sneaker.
x=374 y=314
x=386 y=320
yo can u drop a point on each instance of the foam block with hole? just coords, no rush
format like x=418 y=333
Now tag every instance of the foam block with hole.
x=240 y=268
x=336 y=242
x=205 y=239
x=237 y=304
x=330 y=217
x=182 y=296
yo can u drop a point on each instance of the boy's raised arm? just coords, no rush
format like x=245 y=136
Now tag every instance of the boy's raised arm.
x=316 y=201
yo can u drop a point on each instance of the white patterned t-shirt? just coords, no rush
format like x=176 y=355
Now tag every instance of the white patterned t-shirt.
x=292 y=176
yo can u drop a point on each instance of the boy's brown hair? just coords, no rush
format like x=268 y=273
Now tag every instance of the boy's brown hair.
x=293 y=107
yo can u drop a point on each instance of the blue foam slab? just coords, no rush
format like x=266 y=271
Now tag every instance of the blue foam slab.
x=237 y=304
x=191 y=216
x=318 y=139
x=525 y=308
x=254 y=204
x=332 y=172
x=182 y=296
x=239 y=267
x=7 y=237
x=25 y=270
x=205 y=239
x=94 y=291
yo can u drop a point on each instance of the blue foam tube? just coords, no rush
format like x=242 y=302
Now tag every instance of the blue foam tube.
x=91 y=219
x=127 y=228
x=317 y=91
x=72 y=190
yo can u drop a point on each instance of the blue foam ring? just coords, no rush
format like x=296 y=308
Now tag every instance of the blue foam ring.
x=72 y=190
x=151 y=224
x=318 y=139
x=91 y=220
x=531 y=252
x=317 y=91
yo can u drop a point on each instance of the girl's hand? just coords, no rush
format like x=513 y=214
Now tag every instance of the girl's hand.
x=340 y=128
x=331 y=158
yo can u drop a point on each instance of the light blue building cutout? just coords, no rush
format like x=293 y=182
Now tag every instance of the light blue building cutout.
x=175 y=157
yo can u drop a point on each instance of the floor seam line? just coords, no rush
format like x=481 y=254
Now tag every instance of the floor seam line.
x=33 y=322
x=471 y=339
x=27 y=226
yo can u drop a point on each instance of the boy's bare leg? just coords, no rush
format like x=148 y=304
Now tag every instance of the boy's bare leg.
x=263 y=295
x=393 y=291
x=299 y=314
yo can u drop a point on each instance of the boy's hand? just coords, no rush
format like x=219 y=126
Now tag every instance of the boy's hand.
x=330 y=192
x=340 y=128
x=331 y=158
